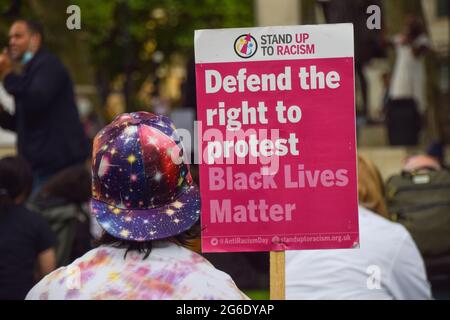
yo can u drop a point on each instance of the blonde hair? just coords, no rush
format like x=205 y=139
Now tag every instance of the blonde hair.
x=371 y=187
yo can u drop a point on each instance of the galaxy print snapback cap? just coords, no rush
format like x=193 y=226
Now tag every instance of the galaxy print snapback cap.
x=141 y=187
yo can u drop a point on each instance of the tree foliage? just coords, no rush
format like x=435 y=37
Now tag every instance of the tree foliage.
x=122 y=36
x=125 y=35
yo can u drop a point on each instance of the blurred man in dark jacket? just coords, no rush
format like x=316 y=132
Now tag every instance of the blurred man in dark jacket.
x=50 y=134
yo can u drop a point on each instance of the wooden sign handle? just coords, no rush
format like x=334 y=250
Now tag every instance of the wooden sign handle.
x=277 y=275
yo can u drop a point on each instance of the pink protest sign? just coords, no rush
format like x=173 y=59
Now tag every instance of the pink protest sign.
x=277 y=148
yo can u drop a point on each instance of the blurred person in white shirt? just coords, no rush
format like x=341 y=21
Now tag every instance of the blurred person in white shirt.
x=387 y=265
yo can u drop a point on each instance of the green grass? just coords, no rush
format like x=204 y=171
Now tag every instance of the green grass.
x=258 y=294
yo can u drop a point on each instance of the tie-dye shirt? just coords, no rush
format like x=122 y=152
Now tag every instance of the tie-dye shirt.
x=170 y=272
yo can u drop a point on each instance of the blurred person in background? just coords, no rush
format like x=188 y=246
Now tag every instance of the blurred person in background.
x=421 y=162
x=49 y=133
x=63 y=202
x=26 y=241
x=406 y=104
x=387 y=265
x=419 y=198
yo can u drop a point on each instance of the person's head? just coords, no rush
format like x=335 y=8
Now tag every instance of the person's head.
x=142 y=190
x=421 y=162
x=16 y=181
x=413 y=26
x=371 y=187
x=25 y=38
x=72 y=184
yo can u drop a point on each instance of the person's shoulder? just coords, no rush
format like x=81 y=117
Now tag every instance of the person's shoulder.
x=48 y=59
x=42 y=289
x=373 y=217
x=46 y=55
x=59 y=280
x=201 y=280
x=197 y=270
x=28 y=214
x=208 y=283
x=374 y=221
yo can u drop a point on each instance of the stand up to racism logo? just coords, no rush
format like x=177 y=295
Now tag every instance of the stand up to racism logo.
x=245 y=46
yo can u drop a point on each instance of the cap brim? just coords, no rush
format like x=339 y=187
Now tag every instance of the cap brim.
x=149 y=224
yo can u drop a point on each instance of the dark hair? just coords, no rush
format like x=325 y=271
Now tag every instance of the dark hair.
x=415 y=26
x=15 y=179
x=146 y=247
x=33 y=26
x=72 y=184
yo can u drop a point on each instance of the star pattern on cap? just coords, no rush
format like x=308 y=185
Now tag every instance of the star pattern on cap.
x=141 y=189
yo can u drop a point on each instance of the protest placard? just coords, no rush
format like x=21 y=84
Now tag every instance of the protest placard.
x=277 y=138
